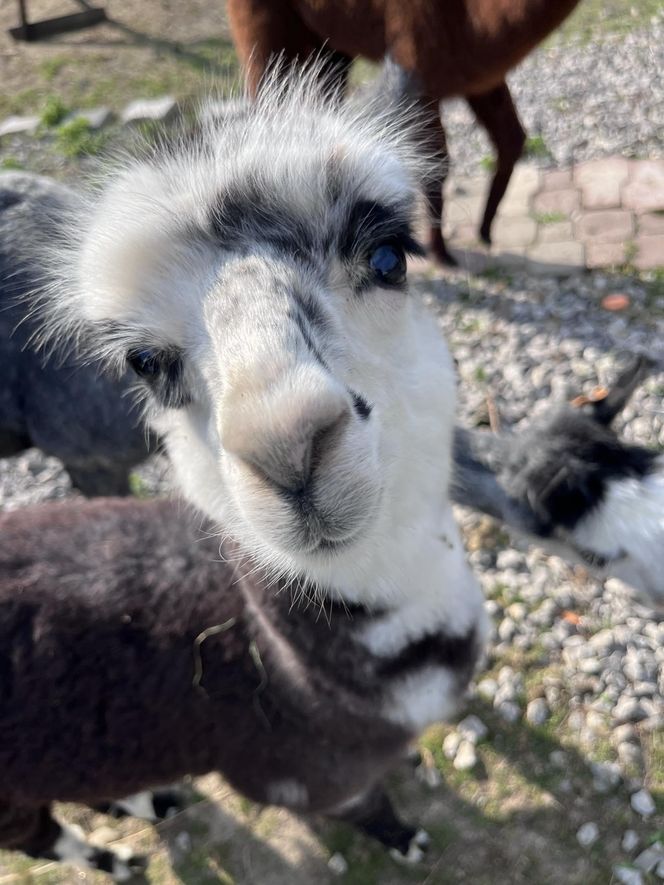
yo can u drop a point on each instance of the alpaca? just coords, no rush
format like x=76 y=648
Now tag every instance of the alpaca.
x=307 y=404
x=571 y=484
x=63 y=407
x=255 y=280
x=460 y=48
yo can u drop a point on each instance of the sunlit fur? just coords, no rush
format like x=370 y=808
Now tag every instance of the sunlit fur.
x=143 y=268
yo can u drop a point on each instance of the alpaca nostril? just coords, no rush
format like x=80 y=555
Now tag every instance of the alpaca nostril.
x=287 y=445
x=290 y=462
x=324 y=440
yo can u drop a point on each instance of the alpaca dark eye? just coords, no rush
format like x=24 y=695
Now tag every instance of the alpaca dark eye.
x=388 y=263
x=146 y=363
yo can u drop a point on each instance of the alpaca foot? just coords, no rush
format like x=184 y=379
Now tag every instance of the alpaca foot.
x=485 y=234
x=414 y=850
x=150 y=805
x=119 y=862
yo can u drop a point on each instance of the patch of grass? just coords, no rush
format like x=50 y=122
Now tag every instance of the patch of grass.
x=560 y=104
x=10 y=163
x=363 y=71
x=536 y=147
x=367 y=861
x=77 y=139
x=549 y=217
x=86 y=79
x=53 y=111
x=24 y=102
x=495 y=272
x=630 y=251
x=204 y=865
x=469 y=326
x=488 y=163
x=137 y=486
x=654 y=283
x=51 y=67
x=480 y=375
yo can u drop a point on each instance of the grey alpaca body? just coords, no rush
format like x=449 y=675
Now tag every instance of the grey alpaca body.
x=65 y=408
x=104 y=669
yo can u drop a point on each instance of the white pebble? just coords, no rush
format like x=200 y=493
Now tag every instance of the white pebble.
x=487 y=689
x=472 y=729
x=451 y=744
x=627 y=875
x=630 y=840
x=338 y=864
x=558 y=758
x=537 y=711
x=643 y=803
x=509 y=711
x=588 y=834
x=466 y=757
x=650 y=857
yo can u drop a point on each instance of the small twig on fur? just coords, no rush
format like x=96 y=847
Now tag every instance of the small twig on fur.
x=200 y=639
x=256 y=658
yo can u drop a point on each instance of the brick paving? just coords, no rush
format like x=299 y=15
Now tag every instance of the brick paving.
x=601 y=213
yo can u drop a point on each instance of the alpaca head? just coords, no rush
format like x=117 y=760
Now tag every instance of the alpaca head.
x=255 y=279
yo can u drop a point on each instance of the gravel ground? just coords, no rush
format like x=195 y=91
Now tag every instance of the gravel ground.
x=520 y=342
x=621 y=113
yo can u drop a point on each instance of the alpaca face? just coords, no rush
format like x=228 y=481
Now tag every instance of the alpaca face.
x=256 y=281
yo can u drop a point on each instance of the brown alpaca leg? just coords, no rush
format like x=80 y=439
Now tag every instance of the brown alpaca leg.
x=496 y=112
x=436 y=146
x=264 y=29
x=35 y=832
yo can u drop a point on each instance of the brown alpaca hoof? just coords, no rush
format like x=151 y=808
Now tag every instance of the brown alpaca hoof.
x=440 y=254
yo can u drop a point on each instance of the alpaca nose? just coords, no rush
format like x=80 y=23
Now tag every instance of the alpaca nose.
x=285 y=434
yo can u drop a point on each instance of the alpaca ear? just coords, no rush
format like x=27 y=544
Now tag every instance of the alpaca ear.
x=605 y=410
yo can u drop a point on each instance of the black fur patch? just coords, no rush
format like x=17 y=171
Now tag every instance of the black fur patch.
x=362 y=407
x=458 y=653
x=368 y=223
x=563 y=468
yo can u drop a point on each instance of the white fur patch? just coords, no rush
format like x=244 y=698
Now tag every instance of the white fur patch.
x=430 y=695
x=71 y=847
x=629 y=525
x=139 y=805
x=287 y=792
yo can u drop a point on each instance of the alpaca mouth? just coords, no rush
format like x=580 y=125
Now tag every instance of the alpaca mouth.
x=319 y=532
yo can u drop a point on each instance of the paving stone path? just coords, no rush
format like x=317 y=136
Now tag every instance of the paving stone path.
x=600 y=213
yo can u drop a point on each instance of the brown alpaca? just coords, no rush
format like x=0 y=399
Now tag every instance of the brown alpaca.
x=453 y=48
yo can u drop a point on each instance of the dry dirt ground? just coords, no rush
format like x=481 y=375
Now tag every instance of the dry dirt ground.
x=146 y=49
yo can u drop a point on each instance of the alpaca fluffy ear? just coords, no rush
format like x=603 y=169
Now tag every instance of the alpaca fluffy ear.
x=605 y=410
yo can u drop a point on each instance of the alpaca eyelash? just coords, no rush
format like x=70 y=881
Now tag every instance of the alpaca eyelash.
x=163 y=373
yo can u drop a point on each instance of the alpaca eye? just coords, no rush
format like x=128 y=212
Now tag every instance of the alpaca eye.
x=388 y=262
x=146 y=363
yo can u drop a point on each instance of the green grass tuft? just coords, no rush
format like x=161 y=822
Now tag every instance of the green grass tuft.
x=549 y=217
x=536 y=147
x=53 y=111
x=77 y=139
x=10 y=163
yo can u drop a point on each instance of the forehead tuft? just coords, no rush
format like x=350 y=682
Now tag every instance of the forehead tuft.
x=291 y=159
